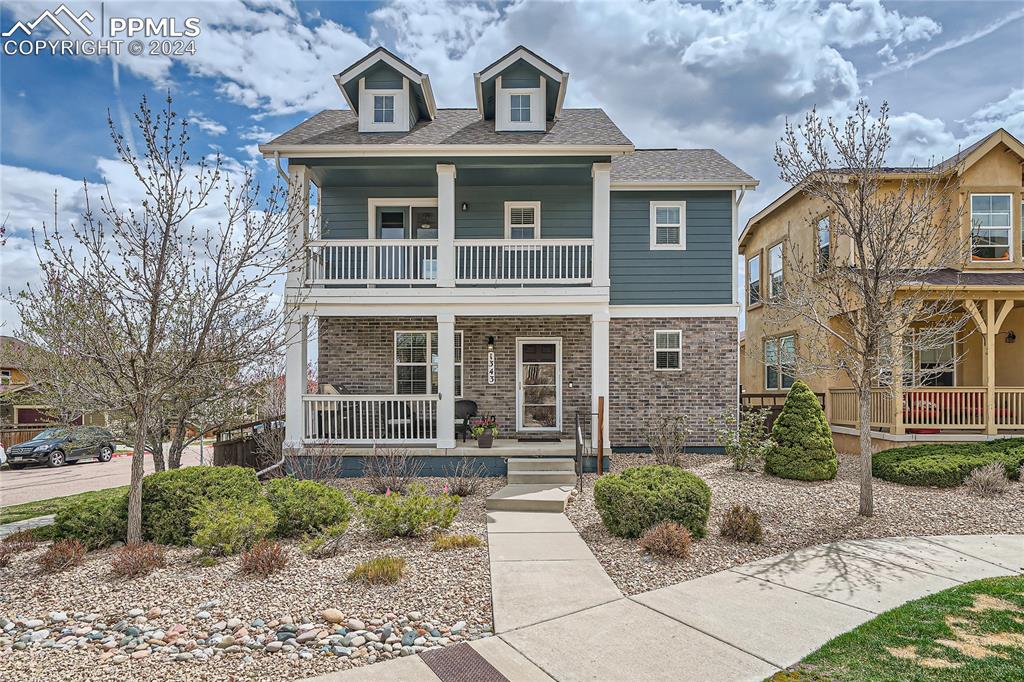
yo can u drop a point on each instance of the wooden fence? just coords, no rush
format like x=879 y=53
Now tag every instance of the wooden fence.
x=237 y=446
x=16 y=435
x=773 y=402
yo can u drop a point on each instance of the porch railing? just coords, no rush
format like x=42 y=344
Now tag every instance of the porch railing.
x=372 y=261
x=369 y=419
x=945 y=408
x=544 y=261
x=1010 y=408
x=844 y=407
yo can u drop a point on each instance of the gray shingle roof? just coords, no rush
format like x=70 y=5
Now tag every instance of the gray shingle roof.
x=456 y=126
x=676 y=165
x=950 y=277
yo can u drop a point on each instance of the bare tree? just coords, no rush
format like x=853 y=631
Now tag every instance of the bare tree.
x=861 y=313
x=142 y=296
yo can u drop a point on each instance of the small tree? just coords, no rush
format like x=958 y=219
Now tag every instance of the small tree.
x=802 y=445
x=745 y=441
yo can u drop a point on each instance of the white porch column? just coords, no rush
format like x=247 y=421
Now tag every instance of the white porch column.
x=602 y=174
x=446 y=380
x=298 y=233
x=297 y=330
x=445 y=225
x=599 y=369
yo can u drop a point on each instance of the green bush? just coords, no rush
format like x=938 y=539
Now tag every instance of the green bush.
x=170 y=499
x=231 y=526
x=802 y=445
x=640 y=497
x=409 y=515
x=307 y=506
x=947 y=465
x=96 y=522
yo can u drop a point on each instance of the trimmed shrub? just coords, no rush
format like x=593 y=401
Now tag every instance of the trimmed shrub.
x=802 y=447
x=133 y=561
x=327 y=543
x=640 y=497
x=384 y=570
x=947 y=465
x=62 y=555
x=231 y=526
x=265 y=558
x=170 y=499
x=307 y=506
x=668 y=538
x=443 y=542
x=988 y=481
x=410 y=515
x=743 y=524
x=97 y=522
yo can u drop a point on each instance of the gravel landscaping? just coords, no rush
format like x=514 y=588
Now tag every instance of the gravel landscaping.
x=210 y=622
x=794 y=514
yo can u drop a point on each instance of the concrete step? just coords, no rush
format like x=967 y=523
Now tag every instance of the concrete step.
x=541 y=464
x=528 y=497
x=538 y=477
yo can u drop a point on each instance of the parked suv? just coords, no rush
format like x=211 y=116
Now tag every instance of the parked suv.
x=58 y=446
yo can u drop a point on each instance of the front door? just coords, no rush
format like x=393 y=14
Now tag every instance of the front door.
x=539 y=384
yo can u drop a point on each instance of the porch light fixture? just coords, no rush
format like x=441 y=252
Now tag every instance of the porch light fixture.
x=1010 y=336
x=490 y=343
x=465 y=206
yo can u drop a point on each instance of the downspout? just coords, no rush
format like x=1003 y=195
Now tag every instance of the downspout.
x=280 y=170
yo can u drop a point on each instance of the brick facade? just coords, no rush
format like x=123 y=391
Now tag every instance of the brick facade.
x=357 y=356
x=704 y=387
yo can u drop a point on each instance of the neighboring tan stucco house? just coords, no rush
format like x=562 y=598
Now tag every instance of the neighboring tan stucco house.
x=983 y=395
x=519 y=254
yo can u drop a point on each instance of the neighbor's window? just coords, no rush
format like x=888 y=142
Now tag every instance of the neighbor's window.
x=931 y=366
x=824 y=243
x=416 y=369
x=779 y=359
x=519 y=109
x=754 y=280
x=668 y=350
x=991 y=227
x=522 y=220
x=383 y=108
x=5 y=377
x=668 y=225
x=775 y=271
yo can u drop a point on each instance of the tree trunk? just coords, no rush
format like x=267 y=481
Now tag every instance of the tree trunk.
x=867 y=499
x=177 y=445
x=138 y=471
x=156 y=446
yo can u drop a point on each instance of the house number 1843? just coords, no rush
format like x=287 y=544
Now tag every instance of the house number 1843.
x=490 y=368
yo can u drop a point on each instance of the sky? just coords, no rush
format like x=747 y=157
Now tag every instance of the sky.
x=670 y=74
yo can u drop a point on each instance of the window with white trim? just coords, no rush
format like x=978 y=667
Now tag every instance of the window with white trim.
x=668 y=225
x=383 y=108
x=416 y=368
x=991 y=228
x=754 y=280
x=519 y=108
x=824 y=243
x=775 y=271
x=668 y=349
x=522 y=220
x=779 y=361
x=5 y=377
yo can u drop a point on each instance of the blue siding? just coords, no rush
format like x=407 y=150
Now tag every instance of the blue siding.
x=345 y=208
x=520 y=75
x=565 y=210
x=383 y=77
x=700 y=274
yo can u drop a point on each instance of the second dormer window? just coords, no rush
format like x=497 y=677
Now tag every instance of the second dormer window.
x=520 y=108
x=383 y=108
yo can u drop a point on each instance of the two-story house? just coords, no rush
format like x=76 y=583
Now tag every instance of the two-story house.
x=981 y=394
x=520 y=254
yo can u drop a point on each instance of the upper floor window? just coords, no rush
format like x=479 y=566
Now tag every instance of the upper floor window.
x=668 y=225
x=668 y=350
x=522 y=220
x=519 y=108
x=775 y=271
x=824 y=243
x=5 y=377
x=754 y=280
x=779 y=358
x=383 y=108
x=991 y=227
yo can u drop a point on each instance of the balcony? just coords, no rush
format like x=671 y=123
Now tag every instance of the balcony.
x=932 y=409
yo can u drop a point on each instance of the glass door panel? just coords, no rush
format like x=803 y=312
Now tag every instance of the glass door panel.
x=539 y=386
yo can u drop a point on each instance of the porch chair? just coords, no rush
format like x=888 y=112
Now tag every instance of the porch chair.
x=464 y=410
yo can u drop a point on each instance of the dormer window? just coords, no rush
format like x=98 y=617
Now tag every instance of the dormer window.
x=386 y=94
x=520 y=92
x=520 y=108
x=383 y=108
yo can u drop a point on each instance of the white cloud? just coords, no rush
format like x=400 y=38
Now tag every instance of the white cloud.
x=206 y=124
x=1005 y=113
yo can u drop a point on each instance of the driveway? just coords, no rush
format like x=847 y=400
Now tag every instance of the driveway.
x=41 y=483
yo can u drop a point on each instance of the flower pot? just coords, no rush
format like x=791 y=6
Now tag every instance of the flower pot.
x=485 y=440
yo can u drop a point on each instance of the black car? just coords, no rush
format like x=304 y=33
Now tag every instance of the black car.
x=58 y=446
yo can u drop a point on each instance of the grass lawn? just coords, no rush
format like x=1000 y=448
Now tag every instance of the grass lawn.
x=967 y=633
x=30 y=510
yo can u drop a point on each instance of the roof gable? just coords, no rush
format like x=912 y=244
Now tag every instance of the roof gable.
x=382 y=69
x=521 y=68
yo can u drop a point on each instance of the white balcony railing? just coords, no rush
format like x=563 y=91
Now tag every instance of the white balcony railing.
x=370 y=261
x=544 y=261
x=368 y=419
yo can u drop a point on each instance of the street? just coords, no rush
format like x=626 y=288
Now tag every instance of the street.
x=41 y=482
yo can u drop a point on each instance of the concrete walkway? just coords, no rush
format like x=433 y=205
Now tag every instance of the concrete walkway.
x=558 y=617
x=25 y=524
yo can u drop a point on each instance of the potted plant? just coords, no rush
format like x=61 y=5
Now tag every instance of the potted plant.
x=484 y=430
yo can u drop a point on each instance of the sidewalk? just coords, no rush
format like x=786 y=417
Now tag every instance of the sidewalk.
x=34 y=522
x=744 y=623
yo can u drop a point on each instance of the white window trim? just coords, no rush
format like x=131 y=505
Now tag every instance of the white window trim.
x=460 y=389
x=384 y=109
x=373 y=203
x=535 y=205
x=366 y=95
x=529 y=110
x=915 y=365
x=782 y=267
x=503 y=108
x=1009 y=228
x=819 y=264
x=6 y=377
x=777 y=340
x=760 y=280
x=678 y=350
x=655 y=205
